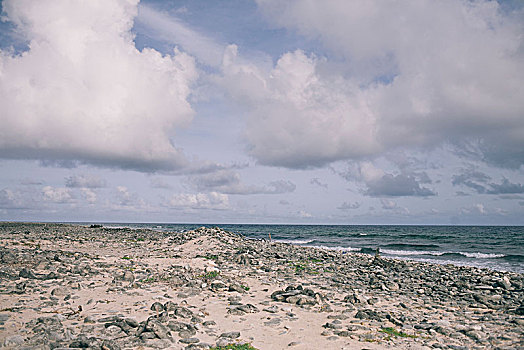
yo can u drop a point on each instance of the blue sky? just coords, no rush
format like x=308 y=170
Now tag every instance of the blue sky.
x=262 y=111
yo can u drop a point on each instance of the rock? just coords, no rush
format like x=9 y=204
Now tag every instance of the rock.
x=60 y=291
x=198 y=346
x=170 y=306
x=355 y=299
x=13 y=341
x=109 y=345
x=89 y=319
x=218 y=285
x=230 y=335
x=272 y=309
x=248 y=308
x=26 y=273
x=332 y=325
x=236 y=288
x=128 y=276
x=368 y=315
x=158 y=328
x=158 y=307
x=183 y=312
x=189 y=340
x=223 y=342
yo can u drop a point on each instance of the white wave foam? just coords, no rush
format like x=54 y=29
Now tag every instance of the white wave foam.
x=436 y=253
x=409 y=252
x=341 y=249
x=295 y=241
x=483 y=255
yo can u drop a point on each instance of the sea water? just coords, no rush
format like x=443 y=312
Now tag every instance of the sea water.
x=495 y=247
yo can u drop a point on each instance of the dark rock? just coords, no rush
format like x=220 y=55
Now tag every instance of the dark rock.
x=26 y=273
x=230 y=335
x=368 y=315
x=158 y=328
x=158 y=307
x=189 y=340
x=109 y=345
x=183 y=312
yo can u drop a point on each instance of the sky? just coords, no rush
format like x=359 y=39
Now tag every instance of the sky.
x=263 y=111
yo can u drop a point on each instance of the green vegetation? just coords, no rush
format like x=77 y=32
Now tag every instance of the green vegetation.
x=246 y=288
x=211 y=275
x=303 y=267
x=235 y=347
x=393 y=332
x=211 y=257
x=148 y=280
x=125 y=257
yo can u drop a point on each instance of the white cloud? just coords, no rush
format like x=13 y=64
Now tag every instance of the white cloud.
x=57 y=194
x=168 y=28
x=212 y=200
x=84 y=92
x=89 y=195
x=388 y=204
x=304 y=214
x=410 y=74
x=228 y=181
x=128 y=199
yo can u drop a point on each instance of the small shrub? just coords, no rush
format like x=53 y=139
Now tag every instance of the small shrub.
x=393 y=332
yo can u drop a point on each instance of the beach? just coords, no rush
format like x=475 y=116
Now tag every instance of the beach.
x=73 y=286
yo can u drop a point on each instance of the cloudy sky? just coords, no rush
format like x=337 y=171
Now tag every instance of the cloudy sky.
x=263 y=111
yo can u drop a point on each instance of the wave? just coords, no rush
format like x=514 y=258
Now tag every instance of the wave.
x=410 y=245
x=341 y=249
x=475 y=255
x=295 y=241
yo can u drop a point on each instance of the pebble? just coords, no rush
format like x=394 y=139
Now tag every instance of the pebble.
x=358 y=296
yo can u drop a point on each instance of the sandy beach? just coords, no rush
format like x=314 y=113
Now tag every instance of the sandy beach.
x=71 y=286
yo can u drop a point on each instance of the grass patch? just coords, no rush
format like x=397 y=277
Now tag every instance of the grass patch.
x=211 y=275
x=393 y=332
x=149 y=280
x=211 y=257
x=235 y=347
x=125 y=257
x=303 y=268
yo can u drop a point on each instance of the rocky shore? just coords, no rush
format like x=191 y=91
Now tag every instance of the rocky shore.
x=69 y=286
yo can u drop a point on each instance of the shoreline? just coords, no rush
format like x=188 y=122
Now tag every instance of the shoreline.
x=66 y=285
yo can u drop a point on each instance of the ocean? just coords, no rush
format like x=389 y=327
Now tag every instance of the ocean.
x=495 y=247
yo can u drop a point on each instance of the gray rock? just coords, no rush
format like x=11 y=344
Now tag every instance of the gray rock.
x=183 y=312
x=128 y=276
x=60 y=291
x=26 y=273
x=14 y=340
x=158 y=328
x=109 y=345
x=158 y=307
x=230 y=335
x=189 y=340
x=368 y=315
